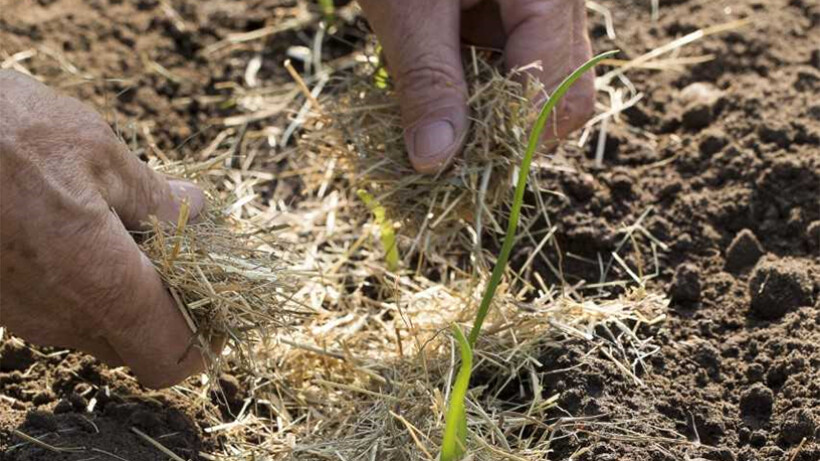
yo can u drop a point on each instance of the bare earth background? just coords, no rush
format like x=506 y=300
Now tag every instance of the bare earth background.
x=734 y=184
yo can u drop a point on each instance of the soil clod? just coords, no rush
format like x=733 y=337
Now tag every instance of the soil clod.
x=712 y=142
x=63 y=406
x=799 y=423
x=777 y=287
x=744 y=251
x=42 y=420
x=758 y=439
x=699 y=100
x=686 y=284
x=697 y=116
x=777 y=134
x=757 y=401
x=813 y=236
x=15 y=356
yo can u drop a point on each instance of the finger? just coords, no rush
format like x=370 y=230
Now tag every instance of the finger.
x=136 y=192
x=90 y=344
x=421 y=42
x=142 y=322
x=554 y=33
x=129 y=185
x=99 y=348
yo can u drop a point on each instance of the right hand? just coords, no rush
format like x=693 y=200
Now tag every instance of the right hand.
x=421 y=40
x=70 y=273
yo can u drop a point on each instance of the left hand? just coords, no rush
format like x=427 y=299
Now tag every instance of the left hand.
x=70 y=273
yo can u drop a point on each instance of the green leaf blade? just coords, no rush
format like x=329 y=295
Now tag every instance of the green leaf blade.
x=455 y=428
x=521 y=186
x=386 y=232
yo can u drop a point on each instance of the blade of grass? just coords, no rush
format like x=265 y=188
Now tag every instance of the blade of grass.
x=387 y=234
x=521 y=186
x=328 y=11
x=455 y=429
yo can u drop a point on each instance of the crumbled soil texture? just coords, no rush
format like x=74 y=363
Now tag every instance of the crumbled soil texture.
x=48 y=396
x=727 y=152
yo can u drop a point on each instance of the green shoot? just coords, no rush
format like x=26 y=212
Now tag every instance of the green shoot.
x=455 y=429
x=328 y=11
x=381 y=78
x=386 y=232
x=521 y=186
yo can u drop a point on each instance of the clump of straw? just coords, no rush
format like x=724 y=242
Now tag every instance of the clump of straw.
x=432 y=212
x=228 y=279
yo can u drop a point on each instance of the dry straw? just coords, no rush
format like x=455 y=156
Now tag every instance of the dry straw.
x=432 y=213
x=363 y=367
x=228 y=278
x=365 y=375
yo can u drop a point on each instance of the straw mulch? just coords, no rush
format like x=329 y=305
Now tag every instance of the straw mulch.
x=344 y=357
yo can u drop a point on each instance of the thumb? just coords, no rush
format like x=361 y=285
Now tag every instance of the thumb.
x=136 y=192
x=421 y=41
x=140 y=320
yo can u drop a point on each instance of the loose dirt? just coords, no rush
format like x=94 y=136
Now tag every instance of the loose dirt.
x=727 y=153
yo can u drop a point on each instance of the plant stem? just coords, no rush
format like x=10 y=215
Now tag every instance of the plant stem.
x=521 y=186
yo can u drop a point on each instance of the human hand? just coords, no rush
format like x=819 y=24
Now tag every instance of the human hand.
x=70 y=273
x=421 y=40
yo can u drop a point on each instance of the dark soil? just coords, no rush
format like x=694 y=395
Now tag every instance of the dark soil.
x=744 y=251
x=49 y=396
x=731 y=166
x=735 y=186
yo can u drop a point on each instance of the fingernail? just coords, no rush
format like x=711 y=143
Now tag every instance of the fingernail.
x=190 y=192
x=433 y=139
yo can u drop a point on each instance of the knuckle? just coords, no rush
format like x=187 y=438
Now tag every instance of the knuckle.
x=147 y=192
x=430 y=71
x=97 y=143
x=428 y=84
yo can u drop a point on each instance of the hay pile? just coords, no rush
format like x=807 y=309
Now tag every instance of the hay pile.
x=366 y=374
x=339 y=356
x=431 y=213
x=229 y=278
